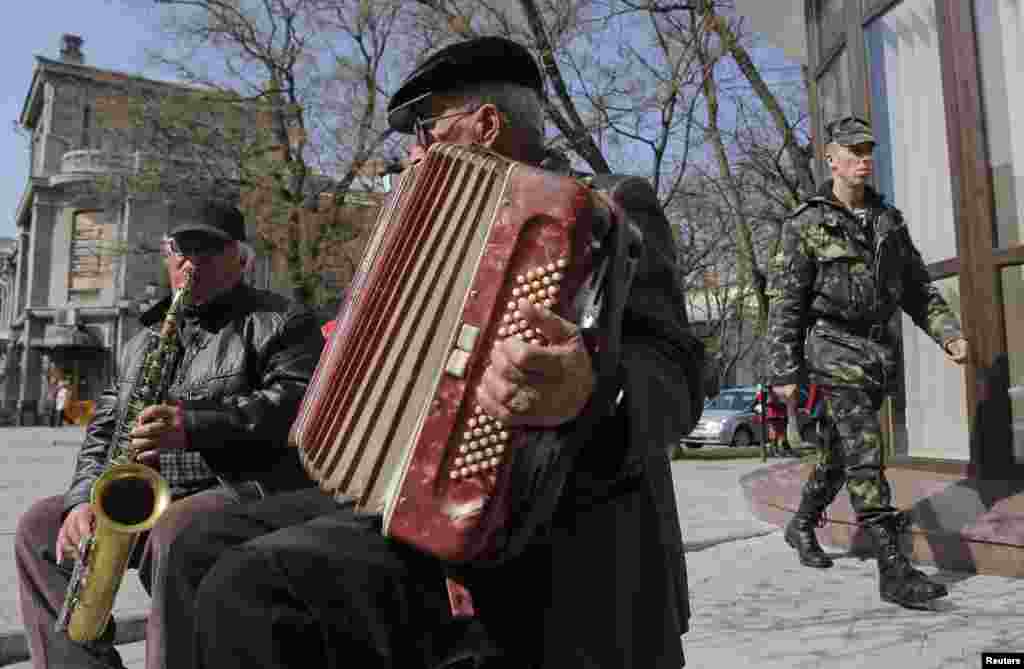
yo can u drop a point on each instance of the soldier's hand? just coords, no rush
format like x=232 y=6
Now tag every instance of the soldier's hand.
x=544 y=386
x=159 y=427
x=77 y=524
x=785 y=393
x=957 y=351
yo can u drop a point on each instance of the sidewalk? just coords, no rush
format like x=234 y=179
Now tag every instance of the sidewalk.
x=36 y=462
x=753 y=604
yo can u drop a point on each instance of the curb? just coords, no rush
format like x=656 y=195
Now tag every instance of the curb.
x=14 y=645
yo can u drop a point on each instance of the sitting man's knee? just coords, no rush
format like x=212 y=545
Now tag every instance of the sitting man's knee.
x=41 y=521
x=237 y=570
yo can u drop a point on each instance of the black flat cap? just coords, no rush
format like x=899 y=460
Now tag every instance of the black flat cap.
x=849 y=131
x=470 y=62
x=213 y=218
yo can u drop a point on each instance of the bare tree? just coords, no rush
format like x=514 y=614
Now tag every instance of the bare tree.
x=307 y=80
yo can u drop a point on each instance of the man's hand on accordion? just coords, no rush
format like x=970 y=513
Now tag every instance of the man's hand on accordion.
x=541 y=386
x=160 y=427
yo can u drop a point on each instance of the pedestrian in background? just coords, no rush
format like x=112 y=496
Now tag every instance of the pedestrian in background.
x=847 y=266
x=60 y=403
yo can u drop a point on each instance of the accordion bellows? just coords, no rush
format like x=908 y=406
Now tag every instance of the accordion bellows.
x=390 y=418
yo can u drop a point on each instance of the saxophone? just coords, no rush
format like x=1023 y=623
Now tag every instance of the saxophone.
x=127 y=499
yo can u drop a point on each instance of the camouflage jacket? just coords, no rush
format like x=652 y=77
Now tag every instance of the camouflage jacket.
x=836 y=285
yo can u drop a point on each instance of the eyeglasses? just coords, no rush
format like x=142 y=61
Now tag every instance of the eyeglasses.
x=424 y=127
x=194 y=247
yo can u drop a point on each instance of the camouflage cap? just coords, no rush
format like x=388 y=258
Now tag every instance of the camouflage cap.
x=848 y=131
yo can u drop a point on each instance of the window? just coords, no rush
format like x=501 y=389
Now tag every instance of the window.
x=1000 y=28
x=92 y=254
x=1013 y=305
x=834 y=90
x=912 y=171
x=935 y=393
x=909 y=121
x=831 y=25
x=86 y=123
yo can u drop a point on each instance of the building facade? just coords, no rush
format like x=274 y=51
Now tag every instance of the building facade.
x=940 y=81
x=85 y=262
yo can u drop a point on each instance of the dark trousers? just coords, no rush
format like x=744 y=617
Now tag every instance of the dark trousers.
x=42 y=582
x=298 y=580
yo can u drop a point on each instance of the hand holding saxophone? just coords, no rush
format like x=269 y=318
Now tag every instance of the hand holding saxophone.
x=159 y=427
x=77 y=525
x=543 y=386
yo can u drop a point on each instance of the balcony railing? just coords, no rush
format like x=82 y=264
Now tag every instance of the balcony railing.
x=96 y=161
x=99 y=161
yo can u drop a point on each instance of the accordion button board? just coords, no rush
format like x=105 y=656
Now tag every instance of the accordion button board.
x=390 y=418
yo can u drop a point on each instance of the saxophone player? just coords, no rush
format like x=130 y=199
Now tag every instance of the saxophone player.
x=246 y=357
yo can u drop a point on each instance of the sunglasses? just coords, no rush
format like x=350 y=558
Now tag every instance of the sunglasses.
x=193 y=247
x=424 y=127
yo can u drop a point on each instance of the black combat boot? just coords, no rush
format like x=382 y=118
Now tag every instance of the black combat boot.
x=898 y=581
x=818 y=492
x=800 y=535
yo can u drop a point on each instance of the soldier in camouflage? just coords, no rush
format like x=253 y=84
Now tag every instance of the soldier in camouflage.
x=847 y=264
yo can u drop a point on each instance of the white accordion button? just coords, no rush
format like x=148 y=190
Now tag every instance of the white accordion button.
x=468 y=335
x=458 y=360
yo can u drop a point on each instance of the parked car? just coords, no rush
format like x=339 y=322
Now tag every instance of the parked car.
x=728 y=420
x=733 y=418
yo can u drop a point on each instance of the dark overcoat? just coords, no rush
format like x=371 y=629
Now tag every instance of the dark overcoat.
x=608 y=587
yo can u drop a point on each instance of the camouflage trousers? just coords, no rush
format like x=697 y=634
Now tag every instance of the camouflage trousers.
x=850 y=453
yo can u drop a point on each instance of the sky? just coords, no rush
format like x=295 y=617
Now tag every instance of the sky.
x=115 y=36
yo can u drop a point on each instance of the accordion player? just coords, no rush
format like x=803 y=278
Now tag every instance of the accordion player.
x=390 y=418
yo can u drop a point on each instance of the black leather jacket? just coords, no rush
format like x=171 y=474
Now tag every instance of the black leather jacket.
x=248 y=357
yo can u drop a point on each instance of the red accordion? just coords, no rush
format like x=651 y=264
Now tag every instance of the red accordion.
x=390 y=418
